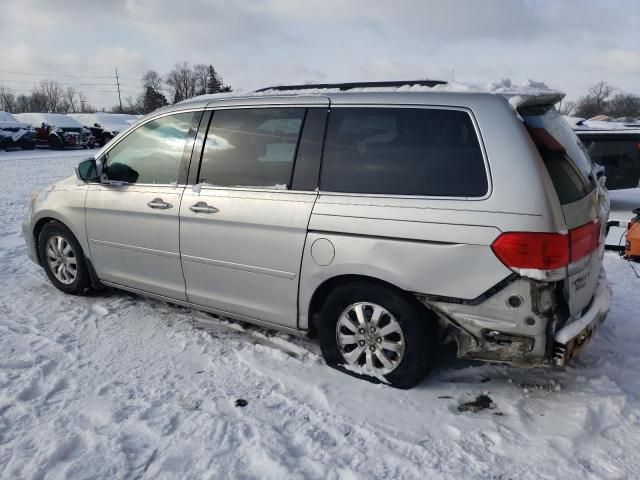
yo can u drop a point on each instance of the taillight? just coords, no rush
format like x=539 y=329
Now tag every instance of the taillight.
x=584 y=240
x=538 y=251
x=546 y=251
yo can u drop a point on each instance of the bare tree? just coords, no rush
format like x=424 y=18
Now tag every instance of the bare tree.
x=53 y=95
x=600 y=92
x=70 y=99
x=23 y=104
x=566 y=107
x=595 y=102
x=201 y=72
x=7 y=99
x=85 y=106
x=624 y=105
x=153 y=80
x=182 y=82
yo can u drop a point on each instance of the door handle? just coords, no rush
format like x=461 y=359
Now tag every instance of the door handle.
x=159 y=203
x=202 y=207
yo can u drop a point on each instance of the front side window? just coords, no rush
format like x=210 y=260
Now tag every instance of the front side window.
x=152 y=153
x=403 y=151
x=252 y=147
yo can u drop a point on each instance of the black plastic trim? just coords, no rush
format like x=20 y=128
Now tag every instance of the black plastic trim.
x=352 y=85
x=474 y=301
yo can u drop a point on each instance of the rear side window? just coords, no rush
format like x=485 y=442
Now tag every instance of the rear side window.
x=564 y=155
x=403 y=151
x=620 y=158
x=252 y=147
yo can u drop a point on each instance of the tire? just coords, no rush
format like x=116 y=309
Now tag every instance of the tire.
x=417 y=334
x=55 y=143
x=81 y=282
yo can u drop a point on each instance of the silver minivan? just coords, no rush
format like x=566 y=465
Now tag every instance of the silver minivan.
x=386 y=223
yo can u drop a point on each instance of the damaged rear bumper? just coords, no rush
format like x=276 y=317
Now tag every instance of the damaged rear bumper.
x=571 y=338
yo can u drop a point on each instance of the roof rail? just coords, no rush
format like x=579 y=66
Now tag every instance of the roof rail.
x=352 y=85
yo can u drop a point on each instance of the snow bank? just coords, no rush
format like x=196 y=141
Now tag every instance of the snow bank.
x=113 y=385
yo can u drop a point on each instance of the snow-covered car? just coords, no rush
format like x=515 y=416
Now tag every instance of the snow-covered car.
x=15 y=134
x=58 y=131
x=105 y=126
x=616 y=147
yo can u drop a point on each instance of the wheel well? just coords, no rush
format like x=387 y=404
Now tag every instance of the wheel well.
x=323 y=291
x=36 y=233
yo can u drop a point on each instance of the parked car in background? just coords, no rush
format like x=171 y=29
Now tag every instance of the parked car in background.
x=616 y=147
x=105 y=126
x=384 y=222
x=15 y=134
x=58 y=131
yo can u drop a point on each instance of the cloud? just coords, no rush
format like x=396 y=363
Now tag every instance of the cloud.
x=617 y=62
x=253 y=43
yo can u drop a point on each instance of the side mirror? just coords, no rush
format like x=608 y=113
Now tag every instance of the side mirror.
x=87 y=170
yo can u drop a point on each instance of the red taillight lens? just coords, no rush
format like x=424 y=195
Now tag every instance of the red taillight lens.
x=539 y=251
x=546 y=251
x=584 y=240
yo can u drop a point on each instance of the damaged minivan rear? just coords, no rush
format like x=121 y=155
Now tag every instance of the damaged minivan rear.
x=385 y=221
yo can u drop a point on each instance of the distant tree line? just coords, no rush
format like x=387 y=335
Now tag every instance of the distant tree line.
x=603 y=99
x=47 y=96
x=181 y=83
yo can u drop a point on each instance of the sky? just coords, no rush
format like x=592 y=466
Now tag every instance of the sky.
x=568 y=44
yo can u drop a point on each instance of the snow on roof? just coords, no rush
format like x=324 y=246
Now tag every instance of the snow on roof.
x=6 y=117
x=519 y=95
x=108 y=121
x=7 y=120
x=53 y=119
x=606 y=126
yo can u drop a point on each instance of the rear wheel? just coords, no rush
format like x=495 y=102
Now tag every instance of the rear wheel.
x=377 y=333
x=62 y=259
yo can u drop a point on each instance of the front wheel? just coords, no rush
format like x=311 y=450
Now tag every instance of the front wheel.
x=377 y=333
x=62 y=259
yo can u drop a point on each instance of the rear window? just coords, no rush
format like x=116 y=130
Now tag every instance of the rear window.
x=403 y=151
x=564 y=155
x=619 y=156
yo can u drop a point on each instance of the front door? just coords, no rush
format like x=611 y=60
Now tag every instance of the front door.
x=132 y=216
x=242 y=228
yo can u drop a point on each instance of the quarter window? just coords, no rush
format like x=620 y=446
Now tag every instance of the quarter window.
x=152 y=153
x=403 y=151
x=254 y=147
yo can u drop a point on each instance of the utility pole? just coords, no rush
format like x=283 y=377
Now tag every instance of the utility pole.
x=118 y=84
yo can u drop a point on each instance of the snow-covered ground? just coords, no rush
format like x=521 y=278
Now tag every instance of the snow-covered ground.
x=117 y=386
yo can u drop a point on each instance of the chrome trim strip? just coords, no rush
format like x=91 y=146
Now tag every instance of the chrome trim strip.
x=134 y=248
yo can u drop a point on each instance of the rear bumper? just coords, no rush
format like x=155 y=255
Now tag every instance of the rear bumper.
x=571 y=338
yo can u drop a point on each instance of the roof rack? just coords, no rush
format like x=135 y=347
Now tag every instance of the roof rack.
x=352 y=85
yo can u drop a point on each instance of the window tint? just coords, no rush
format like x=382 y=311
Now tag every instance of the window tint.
x=564 y=155
x=403 y=151
x=251 y=147
x=152 y=153
x=620 y=159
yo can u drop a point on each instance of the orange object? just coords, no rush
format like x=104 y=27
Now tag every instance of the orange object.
x=632 y=248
